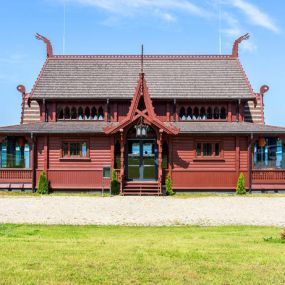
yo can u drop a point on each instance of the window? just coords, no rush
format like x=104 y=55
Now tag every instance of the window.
x=269 y=153
x=73 y=113
x=223 y=114
x=182 y=114
x=74 y=149
x=208 y=149
x=14 y=153
x=66 y=113
x=100 y=114
x=189 y=114
x=215 y=112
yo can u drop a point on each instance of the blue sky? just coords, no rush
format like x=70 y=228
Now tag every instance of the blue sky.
x=163 y=26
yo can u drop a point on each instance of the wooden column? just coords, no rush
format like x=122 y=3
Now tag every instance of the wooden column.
x=159 y=143
x=122 y=158
x=250 y=164
x=46 y=157
x=112 y=143
x=167 y=112
x=229 y=112
x=170 y=159
x=237 y=156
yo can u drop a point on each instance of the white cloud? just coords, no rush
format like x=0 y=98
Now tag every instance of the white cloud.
x=129 y=7
x=255 y=15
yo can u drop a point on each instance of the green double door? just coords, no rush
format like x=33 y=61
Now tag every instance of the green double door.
x=141 y=160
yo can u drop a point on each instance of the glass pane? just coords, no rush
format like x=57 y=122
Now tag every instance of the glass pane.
x=17 y=156
x=136 y=148
x=27 y=156
x=149 y=160
x=133 y=172
x=65 y=149
x=84 y=149
x=207 y=149
x=198 y=150
x=4 y=155
x=74 y=149
x=217 y=149
x=149 y=172
x=147 y=148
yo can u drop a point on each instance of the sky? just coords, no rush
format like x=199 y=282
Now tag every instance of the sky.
x=121 y=26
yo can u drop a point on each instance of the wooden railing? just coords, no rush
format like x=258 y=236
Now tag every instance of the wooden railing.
x=268 y=175
x=15 y=175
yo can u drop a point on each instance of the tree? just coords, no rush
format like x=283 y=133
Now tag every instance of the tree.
x=115 y=185
x=43 y=187
x=168 y=186
x=241 y=190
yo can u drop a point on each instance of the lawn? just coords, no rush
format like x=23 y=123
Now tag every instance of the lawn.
x=33 y=254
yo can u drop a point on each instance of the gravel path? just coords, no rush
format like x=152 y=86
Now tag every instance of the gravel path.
x=143 y=210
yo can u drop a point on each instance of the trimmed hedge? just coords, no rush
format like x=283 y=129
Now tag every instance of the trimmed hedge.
x=115 y=185
x=43 y=187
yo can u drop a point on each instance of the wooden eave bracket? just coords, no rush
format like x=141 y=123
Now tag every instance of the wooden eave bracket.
x=148 y=114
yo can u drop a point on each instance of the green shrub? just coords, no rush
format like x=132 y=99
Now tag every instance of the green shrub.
x=168 y=186
x=115 y=185
x=241 y=190
x=43 y=187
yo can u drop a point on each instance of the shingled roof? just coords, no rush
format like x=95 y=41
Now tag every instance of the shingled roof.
x=168 y=76
x=88 y=127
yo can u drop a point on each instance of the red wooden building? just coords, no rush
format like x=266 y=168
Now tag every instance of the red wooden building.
x=194 y=117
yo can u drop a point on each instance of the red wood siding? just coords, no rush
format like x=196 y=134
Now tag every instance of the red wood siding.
x=192 y=173
x=123 y=109
x=80 y=174
x=160 y=109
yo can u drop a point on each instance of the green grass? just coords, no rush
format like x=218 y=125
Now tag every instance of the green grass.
x=141 y=255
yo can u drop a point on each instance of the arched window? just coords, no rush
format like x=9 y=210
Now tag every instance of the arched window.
x=202 y=113
x=209 y=113
x=223 y=114
x=94 y=115
x=66 y=113
x=182 y=114
x=60 y=114
x=73 y=113
x=189 y=115
x=87 y=113
x=80 y=113
x=100 y=114
x=196 y=113
x=216 y=113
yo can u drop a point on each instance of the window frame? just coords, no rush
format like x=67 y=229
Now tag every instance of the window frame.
x=213 y=145
x=75 y=157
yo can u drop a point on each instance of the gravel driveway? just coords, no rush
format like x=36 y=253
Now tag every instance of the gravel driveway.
x=143 y=210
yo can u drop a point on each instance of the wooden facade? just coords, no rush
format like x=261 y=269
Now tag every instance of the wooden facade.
x=203 y=142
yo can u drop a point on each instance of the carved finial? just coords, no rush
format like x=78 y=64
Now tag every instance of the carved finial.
x=237 y=42
x=142 y=60
x=263 y=89
x=47 y=42
x=22 y=89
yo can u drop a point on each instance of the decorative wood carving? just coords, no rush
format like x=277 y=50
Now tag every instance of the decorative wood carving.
x=47 y=42
x=147 y=113
x=237 y=42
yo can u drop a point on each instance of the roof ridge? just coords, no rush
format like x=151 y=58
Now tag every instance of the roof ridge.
x=147 y=56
